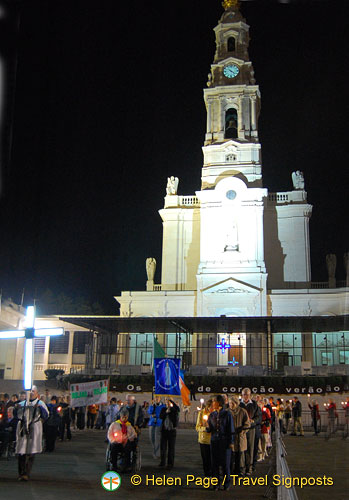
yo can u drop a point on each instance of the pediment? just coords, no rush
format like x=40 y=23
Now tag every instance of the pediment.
x=230 y=286
x=232 y=146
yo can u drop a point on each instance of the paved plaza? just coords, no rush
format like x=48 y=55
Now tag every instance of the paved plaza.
x=74 y=471
x=315 y=456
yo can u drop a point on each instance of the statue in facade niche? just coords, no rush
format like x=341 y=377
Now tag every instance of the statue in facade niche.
x=331 y=262
x=346 y=264
x=150 y=266
x=298 y=180
x=231 y=240
x=172 y=185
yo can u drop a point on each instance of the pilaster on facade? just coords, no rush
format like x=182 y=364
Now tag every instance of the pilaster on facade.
x=180 y=249
x=287 y=242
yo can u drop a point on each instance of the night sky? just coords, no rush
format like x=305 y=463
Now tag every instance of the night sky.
x=108 y=102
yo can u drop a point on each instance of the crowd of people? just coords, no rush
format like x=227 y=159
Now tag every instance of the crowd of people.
x=234 y=433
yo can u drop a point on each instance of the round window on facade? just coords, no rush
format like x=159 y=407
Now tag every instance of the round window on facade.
x=231 y=195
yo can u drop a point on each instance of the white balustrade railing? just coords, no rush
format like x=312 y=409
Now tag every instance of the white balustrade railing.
x=278 y=197
x=324 y=284
x=188 y=201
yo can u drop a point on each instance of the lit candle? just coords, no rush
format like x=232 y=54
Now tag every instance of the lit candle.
x=202 y=400
x=205 y=417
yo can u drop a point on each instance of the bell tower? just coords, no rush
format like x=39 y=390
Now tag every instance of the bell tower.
x=232 y=102
x=231 y=275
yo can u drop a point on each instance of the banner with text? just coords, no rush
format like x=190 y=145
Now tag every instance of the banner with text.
x=230 y=386
x=89 y=393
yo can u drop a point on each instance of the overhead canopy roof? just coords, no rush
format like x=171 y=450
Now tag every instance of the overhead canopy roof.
x=282 y=324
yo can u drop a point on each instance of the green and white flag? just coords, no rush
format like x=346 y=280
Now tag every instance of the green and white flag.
x=158 y=350
x=89 y=393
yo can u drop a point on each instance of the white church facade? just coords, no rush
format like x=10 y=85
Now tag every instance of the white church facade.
x=233 y=249
x=230 y=250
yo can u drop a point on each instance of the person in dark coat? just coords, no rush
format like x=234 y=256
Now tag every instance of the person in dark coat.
x=315 y=416
x=192 y=391
x=80 y=417
x=221 y=427
x=52 y=424
x=297 y=417
x=65 y=418
x=135 y=414
x=169 y=415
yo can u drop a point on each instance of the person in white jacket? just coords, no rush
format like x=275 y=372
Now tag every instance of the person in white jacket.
x=112 y=411
x=121 y=436
x=29 y=432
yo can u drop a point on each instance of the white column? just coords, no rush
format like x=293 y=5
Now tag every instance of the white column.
x=46 y=353
x=307 y=214
x=221 y=115
x=260 y=234
x=240 y=131
x=209 y=118
x=253 y=113
x=70 y=351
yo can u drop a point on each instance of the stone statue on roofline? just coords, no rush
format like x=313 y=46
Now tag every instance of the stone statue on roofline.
x=172 y=185
x=331 y=262
x=346 y=264
x=150 y=265
x=298 y=180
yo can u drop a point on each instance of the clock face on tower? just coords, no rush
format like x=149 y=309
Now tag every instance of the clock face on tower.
x=231 y=71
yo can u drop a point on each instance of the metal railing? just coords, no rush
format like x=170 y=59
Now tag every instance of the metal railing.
x=282 y=468
x=325 y=284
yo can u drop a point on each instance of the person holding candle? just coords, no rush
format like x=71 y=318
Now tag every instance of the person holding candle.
x=287 y=414
x=204 y=437
x=280 y=411
x=332 y=416
x=315 y=415
x=122 y=437
x=265 y=429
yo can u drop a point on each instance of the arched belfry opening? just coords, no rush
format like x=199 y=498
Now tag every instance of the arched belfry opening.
x=231 y=124
x=231 y=44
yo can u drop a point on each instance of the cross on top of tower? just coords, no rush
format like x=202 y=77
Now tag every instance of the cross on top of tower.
x=228 y=4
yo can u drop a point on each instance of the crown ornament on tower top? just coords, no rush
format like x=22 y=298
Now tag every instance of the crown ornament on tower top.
x=228 y=4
